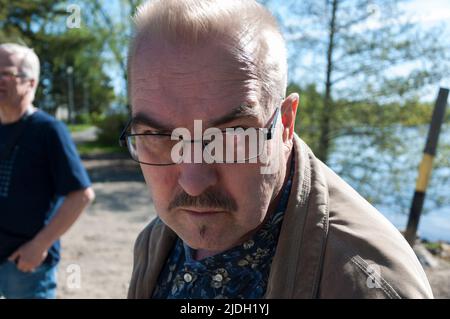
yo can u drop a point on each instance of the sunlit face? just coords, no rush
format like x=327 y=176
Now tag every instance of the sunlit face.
x=172 y=87
x=13 y=89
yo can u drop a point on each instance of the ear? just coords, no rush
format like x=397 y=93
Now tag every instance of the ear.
x=288 y=112
x=33 y=83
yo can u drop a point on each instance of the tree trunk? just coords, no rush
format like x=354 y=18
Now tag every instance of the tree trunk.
x=327 y=112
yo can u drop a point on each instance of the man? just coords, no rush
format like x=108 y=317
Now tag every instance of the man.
x=284 y=226
x=43 y=185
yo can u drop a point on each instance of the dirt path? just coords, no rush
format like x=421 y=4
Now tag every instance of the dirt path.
x=100 y=244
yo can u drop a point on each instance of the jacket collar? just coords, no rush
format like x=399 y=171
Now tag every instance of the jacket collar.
x=296 y=267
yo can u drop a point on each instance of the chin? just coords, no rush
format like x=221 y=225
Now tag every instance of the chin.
x=206 y=232
x=207 y=239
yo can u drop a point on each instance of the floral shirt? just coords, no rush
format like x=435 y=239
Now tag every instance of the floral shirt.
x=240 y=272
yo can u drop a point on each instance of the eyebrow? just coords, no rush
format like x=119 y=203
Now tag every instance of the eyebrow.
x=141 y=118
x=242 y=111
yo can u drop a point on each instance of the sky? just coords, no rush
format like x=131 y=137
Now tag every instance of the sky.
x=430 y=13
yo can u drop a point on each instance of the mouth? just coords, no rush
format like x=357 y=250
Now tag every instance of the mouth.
x=203 y=212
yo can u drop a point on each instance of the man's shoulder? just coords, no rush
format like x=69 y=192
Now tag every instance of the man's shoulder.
x=43 y=117
x=47 y=123
x=51 y=128
x=364 y=251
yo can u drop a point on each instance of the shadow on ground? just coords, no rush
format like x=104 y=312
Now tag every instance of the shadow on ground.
x=119 y=185
x=112 y=168
x=131 y=198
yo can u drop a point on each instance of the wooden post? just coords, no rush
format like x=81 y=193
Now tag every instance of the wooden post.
x=426 y=166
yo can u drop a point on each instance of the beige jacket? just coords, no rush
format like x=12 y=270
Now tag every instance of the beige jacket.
x=333 y=244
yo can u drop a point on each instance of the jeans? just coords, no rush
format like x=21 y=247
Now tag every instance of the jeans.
x=39 y=284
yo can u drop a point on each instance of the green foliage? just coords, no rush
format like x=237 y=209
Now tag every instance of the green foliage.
x=40 y=24
x=96 y=147
x=355 y=118
x=75 y=128
x=110 y=128
x=83 y=119
x=434 y=247
x=308 y=113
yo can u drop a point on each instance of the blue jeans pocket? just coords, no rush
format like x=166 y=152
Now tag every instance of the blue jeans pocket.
x=39 y=284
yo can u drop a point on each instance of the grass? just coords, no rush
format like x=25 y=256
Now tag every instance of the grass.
x=75 y=128
x=90 y=148
x=98 y=147
x=432 y=246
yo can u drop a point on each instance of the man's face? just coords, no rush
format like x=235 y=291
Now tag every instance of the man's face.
x=210 y=206
x=13 y=88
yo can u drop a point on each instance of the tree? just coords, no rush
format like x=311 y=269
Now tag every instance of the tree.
x=42 y=25
x=352 y=50
x=115 y=28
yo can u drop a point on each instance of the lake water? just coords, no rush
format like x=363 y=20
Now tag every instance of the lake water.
x=387 y=179
x=434 y=225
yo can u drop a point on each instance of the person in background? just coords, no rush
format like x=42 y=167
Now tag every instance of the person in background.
x=43 y=186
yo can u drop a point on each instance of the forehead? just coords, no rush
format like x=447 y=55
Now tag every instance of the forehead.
x=183 y=83
x=9 y=60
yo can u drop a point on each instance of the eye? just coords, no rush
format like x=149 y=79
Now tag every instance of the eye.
x=239 y=128
x=143 y=130
x=235 y=131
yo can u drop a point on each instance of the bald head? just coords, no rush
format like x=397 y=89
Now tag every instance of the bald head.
x=243 y=29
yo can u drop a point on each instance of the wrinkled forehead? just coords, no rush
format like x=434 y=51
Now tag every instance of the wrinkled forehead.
x=184 y=82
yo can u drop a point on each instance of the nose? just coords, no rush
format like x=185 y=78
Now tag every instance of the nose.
x=195 y=178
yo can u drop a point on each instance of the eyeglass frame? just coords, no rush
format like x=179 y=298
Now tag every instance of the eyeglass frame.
x=7 y=74
x=124 y=136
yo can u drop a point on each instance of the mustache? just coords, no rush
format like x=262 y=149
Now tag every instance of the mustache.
x=211 y=198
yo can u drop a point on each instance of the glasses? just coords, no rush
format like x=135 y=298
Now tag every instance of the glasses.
x=230 y=145
x=10 y=75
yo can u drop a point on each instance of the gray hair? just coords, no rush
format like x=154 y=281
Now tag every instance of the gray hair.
x=29 y=66
x=252 y=32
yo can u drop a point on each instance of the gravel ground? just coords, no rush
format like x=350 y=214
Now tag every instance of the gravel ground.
x=99 y=247
x=439 y=278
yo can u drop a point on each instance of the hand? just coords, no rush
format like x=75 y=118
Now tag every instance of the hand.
x=29 y=256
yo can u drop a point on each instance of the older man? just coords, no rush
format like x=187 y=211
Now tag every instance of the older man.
x=283 y=226
x=43 y=185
